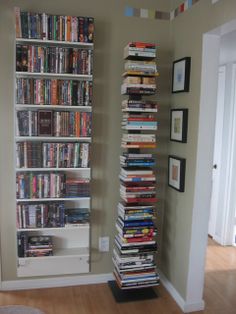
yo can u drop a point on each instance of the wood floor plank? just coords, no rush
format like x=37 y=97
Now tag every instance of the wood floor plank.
x=219 y=293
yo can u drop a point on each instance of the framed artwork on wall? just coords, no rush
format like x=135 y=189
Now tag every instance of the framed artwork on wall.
x=176 y=172
x=181 y=75
x=178 y=125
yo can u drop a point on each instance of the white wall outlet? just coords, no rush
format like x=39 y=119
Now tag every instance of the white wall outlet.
x=104 y=244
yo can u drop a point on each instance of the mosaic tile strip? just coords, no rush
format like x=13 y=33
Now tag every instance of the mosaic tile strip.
x=160 y=15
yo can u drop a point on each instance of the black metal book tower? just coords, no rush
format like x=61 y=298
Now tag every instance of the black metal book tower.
x=135 y=244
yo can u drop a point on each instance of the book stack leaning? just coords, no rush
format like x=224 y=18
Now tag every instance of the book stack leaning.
x=135 y=244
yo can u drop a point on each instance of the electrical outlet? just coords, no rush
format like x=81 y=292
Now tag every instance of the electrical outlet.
x=104 y=244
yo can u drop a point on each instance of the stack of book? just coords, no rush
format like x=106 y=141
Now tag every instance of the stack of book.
x=135 y=244
x=50 y=185
x=139 y=121
x=50 y=215
x=135 y=247
x=140 y=50
x=52 y=155
x=41 y=59
x=77 y=187
x=34 y=246
x=75 y=216
x=139 y=76
x=138 y=185
x=135 y=105
x=54 y=27
x=40 y=185
x=137 y=160
x=53 y=92
x=147 y=68
x=40 y=215
x=142 y=89
x=138 y=140
x=28 y=155
x=49 y=123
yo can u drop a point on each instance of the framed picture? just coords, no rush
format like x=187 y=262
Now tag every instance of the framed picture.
x=181 y=75
x=176 y=173
x=178 y=125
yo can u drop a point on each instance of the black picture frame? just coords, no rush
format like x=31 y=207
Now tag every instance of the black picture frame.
x=178 y=125
x=181 y=75
x=176 y=172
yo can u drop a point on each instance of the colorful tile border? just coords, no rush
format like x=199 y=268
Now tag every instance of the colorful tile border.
x=160 y=15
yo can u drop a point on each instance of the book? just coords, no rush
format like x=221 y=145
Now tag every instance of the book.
x=18 y=22
x=136 y=171
x=45 y=123
x=140 y=45
x=139 y=50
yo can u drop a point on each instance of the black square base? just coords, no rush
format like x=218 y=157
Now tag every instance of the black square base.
x=131 y=295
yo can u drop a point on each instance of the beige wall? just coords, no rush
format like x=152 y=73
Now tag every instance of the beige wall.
x=113 y=31
x=186 y=37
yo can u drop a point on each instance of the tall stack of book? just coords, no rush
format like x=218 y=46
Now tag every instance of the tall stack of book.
x=135 y=244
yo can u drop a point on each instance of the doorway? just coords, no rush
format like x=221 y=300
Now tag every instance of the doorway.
x=204 y=162
x=222 y=209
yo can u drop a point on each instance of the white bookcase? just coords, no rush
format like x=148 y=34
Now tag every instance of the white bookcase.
x=71 y=243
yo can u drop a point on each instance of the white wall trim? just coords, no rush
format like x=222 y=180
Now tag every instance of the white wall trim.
x=24 y=284
x=185 y=307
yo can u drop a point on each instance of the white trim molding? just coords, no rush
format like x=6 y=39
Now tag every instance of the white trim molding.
x=185 y=307
x=24 y=284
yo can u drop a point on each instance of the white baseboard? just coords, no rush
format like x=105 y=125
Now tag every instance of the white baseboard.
x=24 y=284
x=185 y=307
x=217 y=239
x=194 y=307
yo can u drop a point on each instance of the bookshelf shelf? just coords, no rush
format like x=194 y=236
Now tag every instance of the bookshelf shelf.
x=66 y=228
x=63 y=262
x=139 y=110
x=133 y=73
x=54 y=107
x=54 y=43
x=52 y=139
x=140 y=129
x=53 y=169
x=55 y=75
x=59 y=253
x=43 y=76
x=31 y=200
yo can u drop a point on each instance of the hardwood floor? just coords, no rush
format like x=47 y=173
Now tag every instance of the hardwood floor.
x=219 y=294
x=220 y=279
